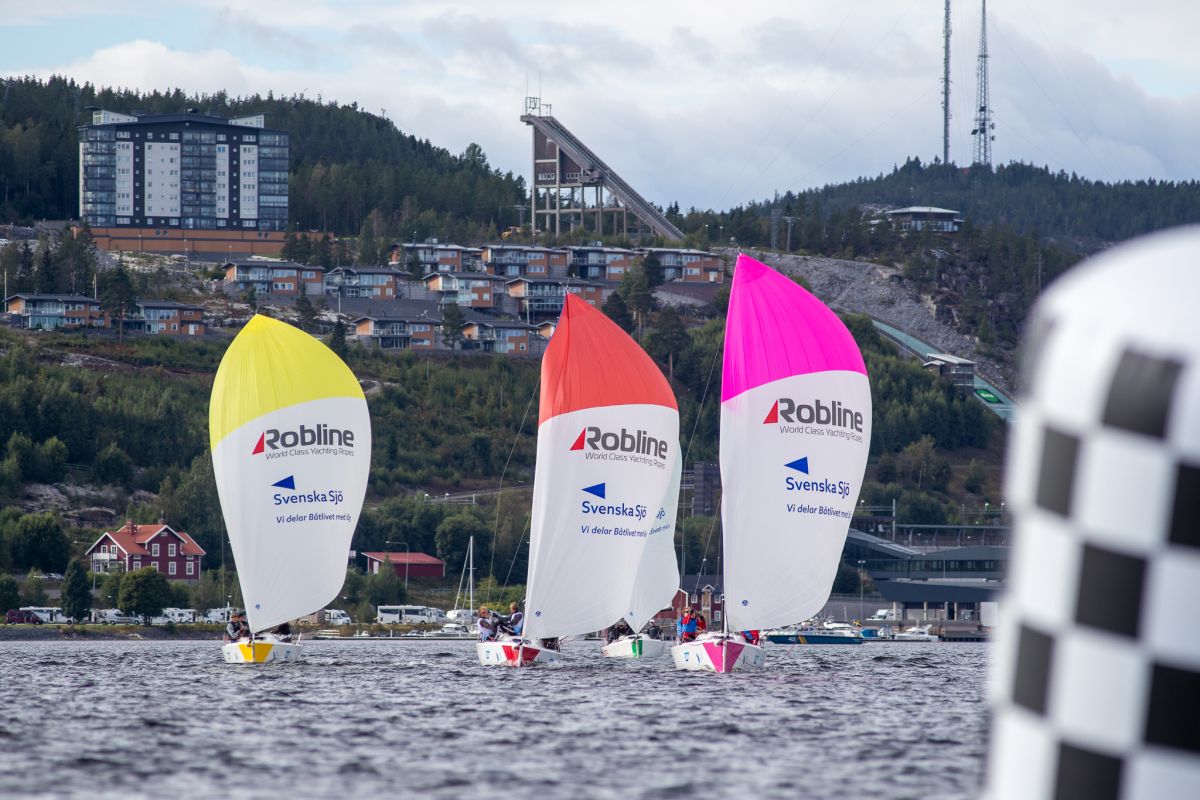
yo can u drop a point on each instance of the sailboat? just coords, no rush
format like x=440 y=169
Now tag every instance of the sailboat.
x=795 y=430
x=655 y=585
x=604 y=489
x=291 y=450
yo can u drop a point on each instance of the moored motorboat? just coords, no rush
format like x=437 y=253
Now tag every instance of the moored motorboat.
x=637 y=646
x=718 y=652
x=829 y=633
x=917 y=633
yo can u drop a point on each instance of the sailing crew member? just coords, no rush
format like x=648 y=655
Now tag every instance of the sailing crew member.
x=283 y=631
x=486 y=630
x=516 y=620
x=236 y=627
x=751 y=637
x=685 y=628
x=701 y=624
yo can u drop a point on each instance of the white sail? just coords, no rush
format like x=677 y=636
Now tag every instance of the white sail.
x=606 y=478
x=657 y=578
x=291 y=450
x=795 y=431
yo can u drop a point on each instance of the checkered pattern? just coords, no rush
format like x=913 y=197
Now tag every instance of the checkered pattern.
x=1096 y=683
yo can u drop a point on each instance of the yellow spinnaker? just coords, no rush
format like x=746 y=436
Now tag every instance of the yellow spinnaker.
x=271 y=365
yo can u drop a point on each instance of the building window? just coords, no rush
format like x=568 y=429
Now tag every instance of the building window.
x=154 y=566
x=154 y=549
x=171 y=549
x=190 y=567
x=137 y=563
x=170 y=567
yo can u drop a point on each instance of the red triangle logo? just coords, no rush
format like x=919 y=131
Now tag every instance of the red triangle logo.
x=579 y=442
x=258 y=448
x=772 y=415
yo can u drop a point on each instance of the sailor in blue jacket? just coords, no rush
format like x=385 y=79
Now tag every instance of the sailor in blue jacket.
x=685 y=627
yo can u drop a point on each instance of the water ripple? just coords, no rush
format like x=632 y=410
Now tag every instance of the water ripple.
x=145 y=718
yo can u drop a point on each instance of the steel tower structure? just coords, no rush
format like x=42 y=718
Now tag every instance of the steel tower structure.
x=946 y=89
x=983 y=114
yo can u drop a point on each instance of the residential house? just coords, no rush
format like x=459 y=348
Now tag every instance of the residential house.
x=688 y=265
x=434 y=256
x=54 y=311
x=379 y=283
x=539 y=297
x=517 y=260
x=407 y=565
x=404 y=329
x=921 y=218
x=597 y=262
x=503 y=336
x=702 y=593
x=166 y=316
x=273 y=277
x=470 y=289
x=960 y=372
x=159 y=546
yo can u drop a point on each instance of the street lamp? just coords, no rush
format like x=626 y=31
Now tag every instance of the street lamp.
x=405 y=562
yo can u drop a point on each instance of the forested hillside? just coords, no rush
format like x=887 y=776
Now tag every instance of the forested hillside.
x=347 y=165
x=124 y=423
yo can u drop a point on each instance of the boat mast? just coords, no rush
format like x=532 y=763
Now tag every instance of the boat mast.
x=471 y=571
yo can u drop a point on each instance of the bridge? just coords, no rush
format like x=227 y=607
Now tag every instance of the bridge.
x=566 y=172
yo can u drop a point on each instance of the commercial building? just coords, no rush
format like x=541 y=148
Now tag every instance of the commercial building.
x=922 y=218
x=162 y=177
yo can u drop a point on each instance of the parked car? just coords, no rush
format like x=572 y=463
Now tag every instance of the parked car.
x=113 y=616
x=21 y=617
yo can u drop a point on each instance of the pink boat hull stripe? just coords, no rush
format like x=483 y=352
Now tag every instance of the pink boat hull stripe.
x=780 y=330
x=723 y=657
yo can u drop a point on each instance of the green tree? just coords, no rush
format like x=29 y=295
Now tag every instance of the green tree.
x=110 y=588
x=40 y=543
x=118 y=298
x=653 y=269
x=10 y=593
x=46 y=276
x=452 y=324
x=454 y=534
x=385 y=587
x=639 y=298
x=337 y=339
x=618 y=312
x=51 y=460
x=206 y=593
x=323 y=252
x=112 y=466
x=144 y=593
x=974 y=478
x=251 y=299
x=76 y=593
x=33 y=593
x=668 y=341
x=306 y=313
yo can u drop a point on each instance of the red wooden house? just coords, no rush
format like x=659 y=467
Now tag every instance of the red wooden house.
x=413 y=565
x=159 y=546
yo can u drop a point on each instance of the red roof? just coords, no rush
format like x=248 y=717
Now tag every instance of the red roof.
x=404 y=558
x=132 y=539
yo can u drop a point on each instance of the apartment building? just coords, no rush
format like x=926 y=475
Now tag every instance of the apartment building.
x=274 y=277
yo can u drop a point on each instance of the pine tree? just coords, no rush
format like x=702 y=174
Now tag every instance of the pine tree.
x=337 y=340
x=76 y=594
x=618 y=312
x=117 y=297
x=452 y=324
x=307 y=314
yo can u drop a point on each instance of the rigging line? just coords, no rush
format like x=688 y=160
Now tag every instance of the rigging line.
x=708 y=539
x=700 y=407
x=784 y=106
x=516 y=553
x=1063 y=76
x=787 y=145
x=852 y=144
x=1057 y=107
x=511 y=450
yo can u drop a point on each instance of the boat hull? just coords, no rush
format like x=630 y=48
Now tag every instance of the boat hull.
x=513 y=653
x=262 y=651
x=640 y=646
x=718 y=653
x=807 y=637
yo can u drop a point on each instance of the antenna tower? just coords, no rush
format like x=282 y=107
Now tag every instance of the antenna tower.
x=983 y=115
x=946 y=88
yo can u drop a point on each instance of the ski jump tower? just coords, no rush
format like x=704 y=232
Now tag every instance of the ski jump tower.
x=573 y=189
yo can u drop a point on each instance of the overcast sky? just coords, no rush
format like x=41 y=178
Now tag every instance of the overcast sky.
x=708 y=104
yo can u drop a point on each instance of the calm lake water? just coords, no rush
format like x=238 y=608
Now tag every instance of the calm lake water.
x=421 y=719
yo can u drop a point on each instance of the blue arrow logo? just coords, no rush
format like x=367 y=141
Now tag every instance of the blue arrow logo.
x=597 y=490
x=287 y=483
x=800 y=465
